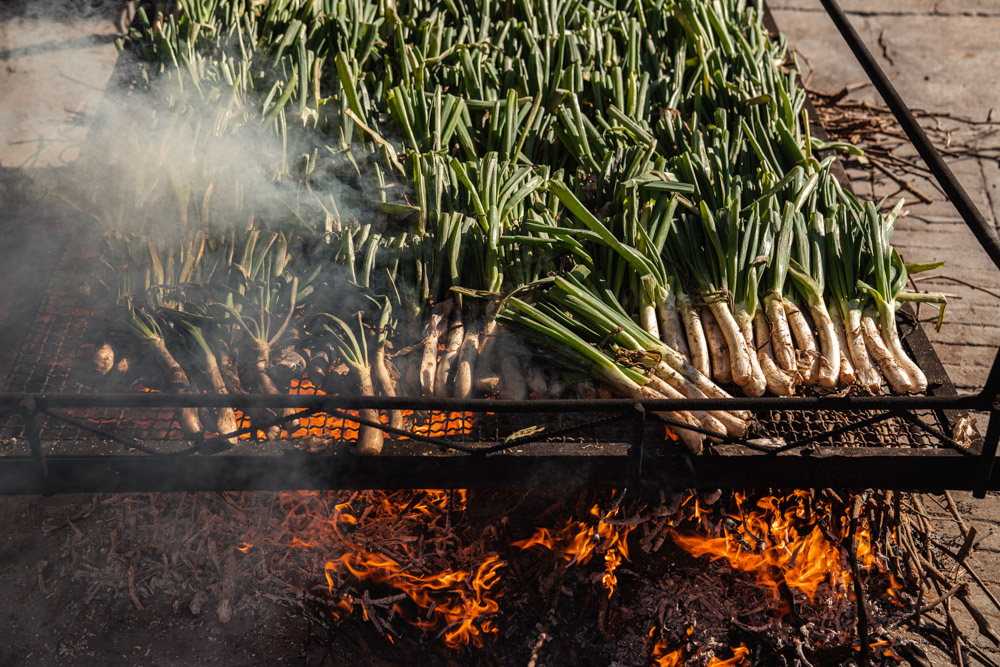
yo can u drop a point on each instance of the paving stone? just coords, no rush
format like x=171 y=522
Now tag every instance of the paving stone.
x=52 y=74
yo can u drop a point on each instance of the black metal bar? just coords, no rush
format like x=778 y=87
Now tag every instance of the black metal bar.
x=431 y=440
x=992 y=385
x=323 y=403
x=637 y=444
x=989 y=456
x=100 y=432
x=736 y=468
x=31 y=432
x=943 y=438
x=951 y=186
x=550 y=433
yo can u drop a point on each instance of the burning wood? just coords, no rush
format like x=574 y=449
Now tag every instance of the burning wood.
x=786 y=541
x=468 y=573
x=579 y=541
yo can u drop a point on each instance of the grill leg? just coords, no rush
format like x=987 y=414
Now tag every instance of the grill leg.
x=28 y=410
x=637 y=442
x=988 y=458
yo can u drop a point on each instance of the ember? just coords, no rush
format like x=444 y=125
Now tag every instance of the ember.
x=322 y=426
x=456 y=601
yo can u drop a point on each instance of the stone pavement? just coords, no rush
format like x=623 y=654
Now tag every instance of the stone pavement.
x=943 y=57
x=55 y=60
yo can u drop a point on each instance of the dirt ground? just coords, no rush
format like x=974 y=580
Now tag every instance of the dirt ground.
x=52 y=622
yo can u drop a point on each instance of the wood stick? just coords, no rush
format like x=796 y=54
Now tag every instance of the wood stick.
x=966 y=549
x=955 y=513
x=859 y=589
x=972 y=573
x=923 y=609
x=982 y=622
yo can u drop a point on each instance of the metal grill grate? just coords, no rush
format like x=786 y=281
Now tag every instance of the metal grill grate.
x=57 y=348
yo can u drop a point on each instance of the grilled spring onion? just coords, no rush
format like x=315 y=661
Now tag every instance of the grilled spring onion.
x=467 y=356
x=844 y=251
x=721 y=366
x=615 y=321
x=225 y=416
x=353 y=350
x=847 y=375
x=889 y=274
x=380 y=368
x=610 y=324
x=147 y=329
x=774 y=309
x=581 y=354
x=778 y=382
x=433 y=329
x=808 y=274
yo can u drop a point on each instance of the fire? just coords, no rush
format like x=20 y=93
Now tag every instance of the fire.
x=456 y=600
x=781 y=541
x=328 y=427
x=664 y=658
x=740 y=654
x=671 y=659
x=459 y=603
x=245 y=547
x=578 y=541
x=439 y=424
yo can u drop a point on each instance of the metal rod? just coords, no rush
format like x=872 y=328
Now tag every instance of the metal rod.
x=992 y=385
x=988 y=460
x=325 y=403
x=951 y=186
x=31 y=432
x=836 y=432
x=734 y=467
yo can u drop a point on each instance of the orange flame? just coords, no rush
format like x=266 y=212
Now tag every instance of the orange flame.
x=438 y=424
x=740 y=654
x=245 y=547
x=664 y=658
x=781 y=541
x=458 y=601
x=578 y=541
x=661 y=656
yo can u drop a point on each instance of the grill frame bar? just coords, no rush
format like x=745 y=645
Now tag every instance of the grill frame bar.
x=634 y=464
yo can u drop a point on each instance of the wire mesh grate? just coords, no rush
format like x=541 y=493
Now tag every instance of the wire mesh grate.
x=55 y=355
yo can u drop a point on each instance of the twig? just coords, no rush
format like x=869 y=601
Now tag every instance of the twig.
x=957 y=280
x=972 y=573
x=903 y=183
x=982 y=622
x=885 y=49
x=923 y=609
x=859 y=590
x=536 y=649
x=953 y=508
x=966 y=549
